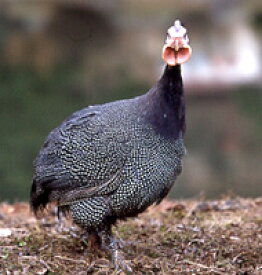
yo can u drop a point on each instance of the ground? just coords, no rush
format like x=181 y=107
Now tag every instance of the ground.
x=182 y=237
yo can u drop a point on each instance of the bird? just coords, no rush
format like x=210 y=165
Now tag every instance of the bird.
x=112 y=161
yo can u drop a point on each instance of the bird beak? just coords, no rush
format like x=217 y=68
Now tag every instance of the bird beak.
x=175 y=55
x=176 y=47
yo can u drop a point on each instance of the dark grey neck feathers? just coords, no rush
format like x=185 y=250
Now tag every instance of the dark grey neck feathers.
x=164 y=104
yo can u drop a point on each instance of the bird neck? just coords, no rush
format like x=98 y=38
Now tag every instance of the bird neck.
x=170 y=84
x=167 y=105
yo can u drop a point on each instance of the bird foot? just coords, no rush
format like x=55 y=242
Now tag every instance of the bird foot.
x=109 y=243
x=120 y=263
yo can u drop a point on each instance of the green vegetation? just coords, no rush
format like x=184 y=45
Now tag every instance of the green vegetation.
x=31 y=105
x=249 y=99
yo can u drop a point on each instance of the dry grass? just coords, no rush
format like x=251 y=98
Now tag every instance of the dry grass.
x=187 y=237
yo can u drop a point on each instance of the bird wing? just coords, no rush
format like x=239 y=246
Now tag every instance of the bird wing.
x=87 y=192
x=83 y=157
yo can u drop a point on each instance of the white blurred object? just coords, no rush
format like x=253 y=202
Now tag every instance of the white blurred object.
x=247 y=53
x=5 y=232
x=237 y=65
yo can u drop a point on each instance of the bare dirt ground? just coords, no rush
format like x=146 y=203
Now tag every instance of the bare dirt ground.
x=182 y=237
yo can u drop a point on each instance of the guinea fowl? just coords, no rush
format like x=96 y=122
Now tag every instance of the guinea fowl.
x=111 y=161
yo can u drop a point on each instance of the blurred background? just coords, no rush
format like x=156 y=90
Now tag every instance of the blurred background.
x=58 y=56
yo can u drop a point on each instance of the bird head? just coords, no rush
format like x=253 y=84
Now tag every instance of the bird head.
x=176 y=49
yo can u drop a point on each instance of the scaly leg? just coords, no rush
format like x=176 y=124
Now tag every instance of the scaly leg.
x=110 y=244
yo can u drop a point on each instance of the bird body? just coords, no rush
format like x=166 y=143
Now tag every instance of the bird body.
x=115 y=153
x=111 y=161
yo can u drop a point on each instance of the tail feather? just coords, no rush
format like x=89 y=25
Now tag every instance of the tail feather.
x=50 y=189
x=39 y=197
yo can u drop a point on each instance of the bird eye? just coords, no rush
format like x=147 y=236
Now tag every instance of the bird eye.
x=168 y=35
x=185 y=37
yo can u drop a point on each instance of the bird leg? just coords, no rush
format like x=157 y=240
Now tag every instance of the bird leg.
x=94 y=241
x=109 y=243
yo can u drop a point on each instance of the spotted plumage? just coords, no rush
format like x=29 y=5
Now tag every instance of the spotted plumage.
x=112 y=154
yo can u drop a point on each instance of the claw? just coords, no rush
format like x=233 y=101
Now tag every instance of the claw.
x=120 y=243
